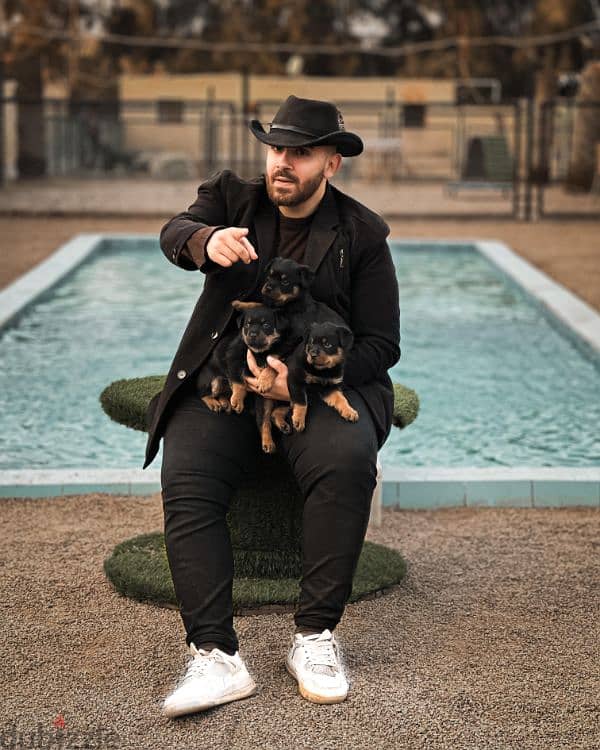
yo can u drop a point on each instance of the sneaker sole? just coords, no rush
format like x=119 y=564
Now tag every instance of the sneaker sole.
x=313 y=697
x=245 y=692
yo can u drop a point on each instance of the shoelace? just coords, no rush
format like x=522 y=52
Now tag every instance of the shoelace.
x=322 y=658
x=201 y=662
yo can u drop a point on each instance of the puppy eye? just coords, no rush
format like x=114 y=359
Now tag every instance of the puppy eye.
x=267 y=326
x=285 y=282
x=328 y=345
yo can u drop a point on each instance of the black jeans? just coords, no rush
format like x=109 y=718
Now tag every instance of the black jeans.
x=204 y=458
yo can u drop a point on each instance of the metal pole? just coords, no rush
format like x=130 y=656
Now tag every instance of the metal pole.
x=2 y=112
x=529 y=157
x=245 y=111
x=517 y=158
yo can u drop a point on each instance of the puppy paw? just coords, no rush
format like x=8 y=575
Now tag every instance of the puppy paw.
x=350 y=414
x=212 y=403
x=279 y=420
x=299 y=417
x=268 y=446
x=266 y=379
x=237 y=398
x=225 y=405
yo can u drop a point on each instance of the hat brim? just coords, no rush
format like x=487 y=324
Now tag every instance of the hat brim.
x=348 y=144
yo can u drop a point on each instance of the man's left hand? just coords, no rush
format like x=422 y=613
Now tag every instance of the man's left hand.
x=279 y=390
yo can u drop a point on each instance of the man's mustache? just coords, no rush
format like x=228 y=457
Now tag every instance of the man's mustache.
x=285 y=176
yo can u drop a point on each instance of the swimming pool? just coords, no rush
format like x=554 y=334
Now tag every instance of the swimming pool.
x=501 y=383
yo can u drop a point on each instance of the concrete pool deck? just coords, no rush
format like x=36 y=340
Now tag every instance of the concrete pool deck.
x=403 y=487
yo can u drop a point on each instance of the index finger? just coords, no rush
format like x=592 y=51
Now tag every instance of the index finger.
x=249 y=247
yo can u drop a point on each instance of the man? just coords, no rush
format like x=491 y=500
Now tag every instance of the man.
x=230 y=233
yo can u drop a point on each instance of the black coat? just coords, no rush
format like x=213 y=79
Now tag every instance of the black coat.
x=347 y=249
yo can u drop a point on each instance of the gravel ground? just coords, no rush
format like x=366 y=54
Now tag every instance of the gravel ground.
x=489 y=642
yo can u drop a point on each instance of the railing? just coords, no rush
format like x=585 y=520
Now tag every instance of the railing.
x=511 y=159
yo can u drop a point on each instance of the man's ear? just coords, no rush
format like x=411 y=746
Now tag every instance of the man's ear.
x=346 y=338
x=307 y=275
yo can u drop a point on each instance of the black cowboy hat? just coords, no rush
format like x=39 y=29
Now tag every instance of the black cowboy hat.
x=308 y=122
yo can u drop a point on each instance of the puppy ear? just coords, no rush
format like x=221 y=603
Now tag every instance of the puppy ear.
x=237 y=304
x=268 y=267
x=346 y=337
x=307 y=275
x=239 y=320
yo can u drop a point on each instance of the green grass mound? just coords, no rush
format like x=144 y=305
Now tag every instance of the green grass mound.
x=138 y=568
x=126 y=401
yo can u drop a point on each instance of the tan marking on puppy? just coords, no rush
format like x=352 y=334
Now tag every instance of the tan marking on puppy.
x=225 y=404
x=279 y=419
x=268 y=444
x=217 y=385
x=339 y=402
x=280 y=298
x=326 y=361
x=266 y=379
x=238 y=394
x=237 y=304
x=299 y=416
x=213 y=403
x=325 y=381
x=269 y=340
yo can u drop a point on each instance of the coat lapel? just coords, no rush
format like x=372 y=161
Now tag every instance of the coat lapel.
x=322 y=230
x=265 y=224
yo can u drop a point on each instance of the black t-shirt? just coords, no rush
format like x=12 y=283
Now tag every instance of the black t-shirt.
x=292 y=236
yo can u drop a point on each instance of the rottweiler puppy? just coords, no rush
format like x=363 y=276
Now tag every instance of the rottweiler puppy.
x=265 y=331
x=318 y=367
x=286 y=287
x=220 y=383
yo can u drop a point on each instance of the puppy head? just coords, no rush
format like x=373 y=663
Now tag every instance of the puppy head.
x=286 y=281
x=261 y=328
x=327 y=345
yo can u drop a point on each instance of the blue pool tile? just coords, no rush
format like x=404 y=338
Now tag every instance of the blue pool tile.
x=499 y=494
x=561 y=494
x=113 y=488
x=144 y=488
x=431 y=494
x=33 y=490
x=390 y=495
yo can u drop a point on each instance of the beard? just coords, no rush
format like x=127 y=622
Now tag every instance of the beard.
x=293 y=194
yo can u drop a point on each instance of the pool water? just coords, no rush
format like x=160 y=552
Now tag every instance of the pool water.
x=499 y=384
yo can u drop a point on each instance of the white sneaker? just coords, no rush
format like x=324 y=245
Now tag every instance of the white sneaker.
x=211 y=678
x=314 y=662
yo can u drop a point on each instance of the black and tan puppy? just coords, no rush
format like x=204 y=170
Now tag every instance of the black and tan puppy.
x=318 y=367
x=265 y=331
x=262 y=330
x=286 y=287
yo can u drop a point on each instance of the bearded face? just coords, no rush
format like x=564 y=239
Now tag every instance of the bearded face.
x=293 y=175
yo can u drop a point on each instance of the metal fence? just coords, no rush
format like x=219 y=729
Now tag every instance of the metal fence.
x=439 y=159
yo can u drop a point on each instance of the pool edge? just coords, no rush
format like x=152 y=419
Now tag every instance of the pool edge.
x=403 y=488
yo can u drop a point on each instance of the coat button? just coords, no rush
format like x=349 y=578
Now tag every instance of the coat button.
x=181 y=374
x=214 y=334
